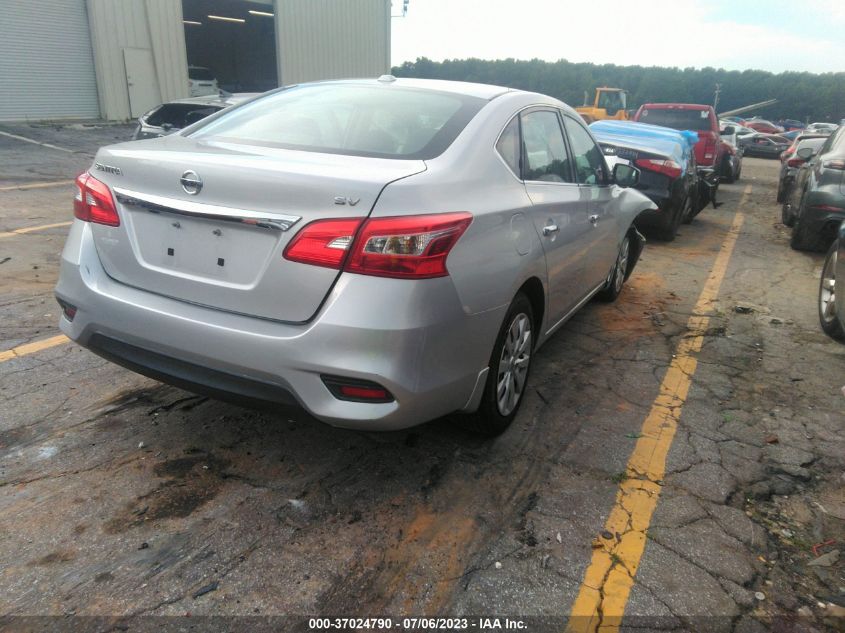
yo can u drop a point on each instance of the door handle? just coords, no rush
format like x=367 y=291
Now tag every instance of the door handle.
x=594 y=219
x=549 y=229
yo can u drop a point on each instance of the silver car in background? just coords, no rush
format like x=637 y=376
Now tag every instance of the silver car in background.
x=378 y=252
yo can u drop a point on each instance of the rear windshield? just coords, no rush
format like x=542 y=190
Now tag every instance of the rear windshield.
x=696 y=120
x=380 y=121
x=815 y=143
x=202 y=74
x=180 y=115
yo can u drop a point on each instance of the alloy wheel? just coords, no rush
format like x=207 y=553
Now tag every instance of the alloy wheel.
x=827 y=291
x=621 y=265
x=513 y=364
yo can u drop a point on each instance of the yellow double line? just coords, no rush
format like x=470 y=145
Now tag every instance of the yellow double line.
x=607 y=583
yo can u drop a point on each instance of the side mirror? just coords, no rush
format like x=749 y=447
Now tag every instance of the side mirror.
x=806 y=153
x=625 y=175
x=166 y=126
x=729 y=131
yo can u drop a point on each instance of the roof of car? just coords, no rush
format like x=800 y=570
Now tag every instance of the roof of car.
x=482 y=91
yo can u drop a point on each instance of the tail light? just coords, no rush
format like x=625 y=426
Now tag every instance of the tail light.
x=93 y=201
x=836 y=163
x=710 y=148
x=795 y=162
x=409 y=247
x=666 y=167
x=413 y=247
x=323 y=243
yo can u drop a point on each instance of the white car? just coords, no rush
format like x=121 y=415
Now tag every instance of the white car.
x=201 y=81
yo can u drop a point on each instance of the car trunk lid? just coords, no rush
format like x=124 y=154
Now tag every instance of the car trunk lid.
x=222 y=246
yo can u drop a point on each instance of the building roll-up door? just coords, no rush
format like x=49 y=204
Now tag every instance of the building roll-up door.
x=46 y=64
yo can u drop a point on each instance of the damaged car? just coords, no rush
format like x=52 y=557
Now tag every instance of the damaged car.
x=376 y=252
x=666 y=161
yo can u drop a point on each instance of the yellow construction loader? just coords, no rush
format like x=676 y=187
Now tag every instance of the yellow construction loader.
x=609 y=103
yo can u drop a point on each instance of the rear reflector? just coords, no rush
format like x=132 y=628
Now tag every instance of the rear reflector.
x=93 y=201
x=69 y=310
x=355 y=390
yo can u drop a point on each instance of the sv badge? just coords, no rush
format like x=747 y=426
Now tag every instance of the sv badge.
x=344 y=200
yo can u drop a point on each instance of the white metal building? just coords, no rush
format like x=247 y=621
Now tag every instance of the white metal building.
x=116 y=59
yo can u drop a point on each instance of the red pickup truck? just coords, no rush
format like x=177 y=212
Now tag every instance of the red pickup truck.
x=700 y=119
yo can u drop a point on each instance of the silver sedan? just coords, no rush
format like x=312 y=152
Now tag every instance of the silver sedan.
x=378 y=252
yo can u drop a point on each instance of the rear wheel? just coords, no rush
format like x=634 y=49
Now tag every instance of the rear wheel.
x=803 y=239
x=507 y=372
x=620 y=272
x=727 y=171
x=786 y=214
x=827 y=297
x=688 y=212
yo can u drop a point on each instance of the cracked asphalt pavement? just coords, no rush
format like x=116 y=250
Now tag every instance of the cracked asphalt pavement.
x=121 y=497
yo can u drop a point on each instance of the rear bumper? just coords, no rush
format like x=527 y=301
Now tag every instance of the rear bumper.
x=412 y=337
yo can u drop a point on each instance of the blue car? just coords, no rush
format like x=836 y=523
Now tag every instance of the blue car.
x=831 y=309
x=666 y=161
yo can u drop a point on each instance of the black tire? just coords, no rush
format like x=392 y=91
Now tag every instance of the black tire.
x=727 y=171
x=781 y=193
x=786 y=215
x=489 y=420
x=620 y=273
x=802 y=238
x=688 y=211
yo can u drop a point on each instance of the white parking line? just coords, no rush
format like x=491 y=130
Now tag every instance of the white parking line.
x=37 y=185
x=30 y=140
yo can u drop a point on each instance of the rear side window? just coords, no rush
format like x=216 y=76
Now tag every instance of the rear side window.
x=545 y=150
x=508 y=146
x=815 y=143
x=697 y=120
x=357 y=120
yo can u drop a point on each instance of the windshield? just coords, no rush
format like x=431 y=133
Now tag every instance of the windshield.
x=815 y=143
x=612 y=100
x=358 y=120
x=677 y=119
x=201 y=74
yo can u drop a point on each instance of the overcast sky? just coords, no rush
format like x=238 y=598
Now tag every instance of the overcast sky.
x=774 y=35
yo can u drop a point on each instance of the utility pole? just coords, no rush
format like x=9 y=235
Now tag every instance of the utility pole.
x=716 y=100
x=404 y=9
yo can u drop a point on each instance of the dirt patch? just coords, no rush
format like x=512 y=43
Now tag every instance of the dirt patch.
x=59 y=556
x=191 y=482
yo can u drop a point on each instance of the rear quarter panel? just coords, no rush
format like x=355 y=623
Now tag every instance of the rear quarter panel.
x=501 y=249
